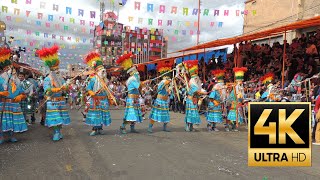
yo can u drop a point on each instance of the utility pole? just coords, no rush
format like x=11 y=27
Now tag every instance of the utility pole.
x=198 y=33
x=300 y=9
x=102 y=8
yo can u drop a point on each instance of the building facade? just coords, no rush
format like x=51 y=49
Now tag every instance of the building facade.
x=112 y=39
x=108 y=38
x=264 y=15
x=148 y=45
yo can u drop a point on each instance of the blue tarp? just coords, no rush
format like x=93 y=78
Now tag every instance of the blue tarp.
x=151 y=67
x=201 y=55
x=208 y=55
x=178 y=60
x=193 y=57
x=222 y=53
x=185 y=58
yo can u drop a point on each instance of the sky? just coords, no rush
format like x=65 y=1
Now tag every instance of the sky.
x=232 y=25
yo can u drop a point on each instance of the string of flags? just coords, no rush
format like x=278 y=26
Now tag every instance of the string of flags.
x=54 y=7
x=63 y=18
x=172 y=23
x=19 y=16
x=162 y=9
x=174 y=27
x=53 y=36
x=50 y=18
x=36 y=62
x=64 y=28
x=186 y=11
x=40 y=44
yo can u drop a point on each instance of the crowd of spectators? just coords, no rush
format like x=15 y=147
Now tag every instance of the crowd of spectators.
x=302 y=56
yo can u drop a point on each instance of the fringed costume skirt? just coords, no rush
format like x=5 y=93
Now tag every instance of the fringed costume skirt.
x=133 y=111
x=214 y=113
x=98 y=113
x=12 y=117
x=57 y=114
x=160 y=111
x=192 y=112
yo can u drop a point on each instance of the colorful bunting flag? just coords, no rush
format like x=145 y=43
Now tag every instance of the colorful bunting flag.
x=195 y=11
x=162 y=9
x=55 y=7
x=149 y=7
x=206 y=12
x=137 y=6
x=150 y=21
x=16 y=11
x=40 y=15
x=173 y=10
x=5 y=9
x=28 y=13
x=68 y=10
x=185 y=11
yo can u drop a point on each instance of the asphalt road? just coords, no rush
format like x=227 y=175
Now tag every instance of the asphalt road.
x=174 y=155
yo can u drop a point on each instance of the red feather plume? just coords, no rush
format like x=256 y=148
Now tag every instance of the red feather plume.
x=44 y=52
x=191 y=63
x=269 y=74
x=90 y=56
x=124 y=57
x=4 y=51
x=236 y=69
x=163 y=64
x=218 y=71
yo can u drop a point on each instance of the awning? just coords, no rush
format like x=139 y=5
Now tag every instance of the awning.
x=141 y=67
x=151 y=67
x=315 y=21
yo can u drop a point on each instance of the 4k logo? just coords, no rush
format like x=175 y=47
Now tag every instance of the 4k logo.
x=279 y=134
x=284 y=126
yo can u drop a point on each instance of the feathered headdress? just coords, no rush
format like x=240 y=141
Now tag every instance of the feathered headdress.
x=125 y=61
x=239 y=73
x=5 y=54
x=192 y=67
x=219 y=74
x=93 y=60
x=164 y=67
x=50 y=57
x=267 y=78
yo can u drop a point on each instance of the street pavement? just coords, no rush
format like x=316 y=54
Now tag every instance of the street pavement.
x=175 y=155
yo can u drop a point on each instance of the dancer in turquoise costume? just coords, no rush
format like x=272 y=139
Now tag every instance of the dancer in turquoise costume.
x=194 y=92
x=160 y=108
x=12 y=119
x=98 y=113
x=235 y=97
x=57 y=114
x=268 y=95
x=214 y=114
x=132 y=113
